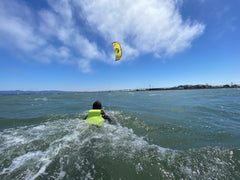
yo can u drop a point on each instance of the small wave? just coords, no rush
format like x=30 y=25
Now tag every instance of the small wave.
x=41 y=99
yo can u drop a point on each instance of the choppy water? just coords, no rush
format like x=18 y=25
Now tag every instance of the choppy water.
x=187 y=134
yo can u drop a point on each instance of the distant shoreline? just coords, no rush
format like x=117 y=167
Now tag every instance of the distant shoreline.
x=184 y=87
x=181 y=87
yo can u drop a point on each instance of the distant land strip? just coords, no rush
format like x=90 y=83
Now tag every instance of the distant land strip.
x=181 y=87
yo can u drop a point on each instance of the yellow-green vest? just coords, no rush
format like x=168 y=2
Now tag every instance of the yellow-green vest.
x=95 y=117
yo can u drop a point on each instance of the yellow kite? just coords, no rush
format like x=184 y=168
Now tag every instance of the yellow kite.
x=117 y=50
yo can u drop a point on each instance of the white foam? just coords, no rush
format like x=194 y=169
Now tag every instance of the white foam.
x=21 y=160
x=152 y=94
x=41 y=99
x=11 y=140
x=40 y=127
x=139 y=168
x=64 y=134
x=45 y=162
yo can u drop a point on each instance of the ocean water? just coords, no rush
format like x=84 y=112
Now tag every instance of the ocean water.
x=178 y=134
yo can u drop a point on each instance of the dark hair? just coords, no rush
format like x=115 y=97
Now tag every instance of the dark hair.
x=97 y=105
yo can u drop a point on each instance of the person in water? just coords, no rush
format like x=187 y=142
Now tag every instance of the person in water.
x=97 y=116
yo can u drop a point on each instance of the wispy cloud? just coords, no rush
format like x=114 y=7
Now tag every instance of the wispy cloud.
x=146 y=26
x=58 y=32
x=16 y=27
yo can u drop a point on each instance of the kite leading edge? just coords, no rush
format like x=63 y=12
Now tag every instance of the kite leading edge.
x=117 y=50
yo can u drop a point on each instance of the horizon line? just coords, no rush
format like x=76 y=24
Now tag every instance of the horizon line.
x=132 y=89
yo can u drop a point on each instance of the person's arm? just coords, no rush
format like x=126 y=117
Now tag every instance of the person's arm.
x=85 y=117
x=107 y=118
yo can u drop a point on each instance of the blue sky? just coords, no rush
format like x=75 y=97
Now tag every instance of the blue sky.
x=67 y=44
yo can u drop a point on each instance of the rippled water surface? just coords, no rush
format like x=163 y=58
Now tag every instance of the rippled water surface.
x=188 y=134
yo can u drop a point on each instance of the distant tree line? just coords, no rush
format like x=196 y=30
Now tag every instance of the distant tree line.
x=198 y=86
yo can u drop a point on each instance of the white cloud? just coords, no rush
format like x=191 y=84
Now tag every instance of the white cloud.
x=58 y=23
x=84 y=65
x=64 y=31
x=63 y=8
x=144 y=26
x=15 y=31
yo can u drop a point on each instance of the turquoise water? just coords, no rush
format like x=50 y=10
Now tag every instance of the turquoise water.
x=182 y=134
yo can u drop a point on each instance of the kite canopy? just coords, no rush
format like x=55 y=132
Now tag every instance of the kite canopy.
x=117 y=50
